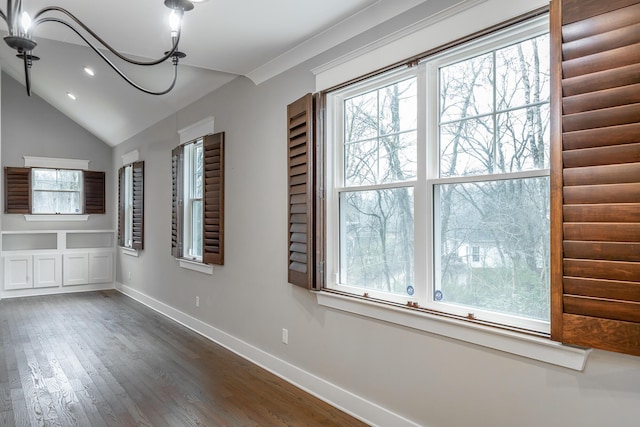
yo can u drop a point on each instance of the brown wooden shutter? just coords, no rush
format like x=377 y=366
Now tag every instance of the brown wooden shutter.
x=176 y=201
x=94 y=192
x=213 y=209
x=121 y=206
x=138 y=205
x=595 y=198
x=301 y=226
x=17 y=190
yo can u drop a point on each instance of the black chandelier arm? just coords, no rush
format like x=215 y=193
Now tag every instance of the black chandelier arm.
x=115 y=67
x=38 y=19
x=27 y=73
x=4 y=17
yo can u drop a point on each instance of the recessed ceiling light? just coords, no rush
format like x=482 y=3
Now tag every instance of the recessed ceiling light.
x=71 y=96
x=89 y=71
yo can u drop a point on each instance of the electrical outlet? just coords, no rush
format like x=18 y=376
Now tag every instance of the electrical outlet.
x=285 y=336
x=197 y=301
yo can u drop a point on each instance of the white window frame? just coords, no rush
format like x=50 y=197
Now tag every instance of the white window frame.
x=427 y=153
x=188 y=241
x=34 y=191
x=128 y=206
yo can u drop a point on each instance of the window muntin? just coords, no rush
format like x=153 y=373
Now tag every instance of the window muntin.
x=193 y=205
x=473 y=176
x=56 y=191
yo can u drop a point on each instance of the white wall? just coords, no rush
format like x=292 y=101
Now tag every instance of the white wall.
x=428 y=379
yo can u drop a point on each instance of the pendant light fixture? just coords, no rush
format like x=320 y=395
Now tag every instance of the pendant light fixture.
x=21 y=28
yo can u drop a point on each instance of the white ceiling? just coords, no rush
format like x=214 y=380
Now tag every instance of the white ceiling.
x=222 y=38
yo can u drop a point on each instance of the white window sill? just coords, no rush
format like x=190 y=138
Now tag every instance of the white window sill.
x=61 y=217
x=196 y=266
x=537 y=348
x=129 y=251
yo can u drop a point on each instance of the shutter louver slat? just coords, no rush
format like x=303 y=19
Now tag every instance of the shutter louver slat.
x=213 y=211
x=605 y=98
x=616 y=251
x=606 y=79
x=17 y=190
x=599 y=288
x=596 y=174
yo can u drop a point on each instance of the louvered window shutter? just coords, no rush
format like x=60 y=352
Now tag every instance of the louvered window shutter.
x=213 y=210
x=302 y=192
x=138 y=206
x=596 y=174
x=17 y=190
x=176 y=201
x=121 y=206
x=94 y=192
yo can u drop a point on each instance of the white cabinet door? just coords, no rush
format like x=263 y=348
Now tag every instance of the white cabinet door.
x=47 y=270
x=101 y=267
x=18 y=272
x=75 y=269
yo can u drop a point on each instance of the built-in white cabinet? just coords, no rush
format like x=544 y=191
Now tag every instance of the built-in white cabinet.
x=18 y=272
x=47 y=270
x=100 y=267
x=76 y=269
x=56 y=259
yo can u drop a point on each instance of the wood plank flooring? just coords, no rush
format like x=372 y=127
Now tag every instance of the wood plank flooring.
x=103 y=359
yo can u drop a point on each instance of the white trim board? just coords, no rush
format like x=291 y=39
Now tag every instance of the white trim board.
x=336 y=396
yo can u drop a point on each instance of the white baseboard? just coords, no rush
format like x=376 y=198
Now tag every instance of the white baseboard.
x=34 y=292
x=336 y=396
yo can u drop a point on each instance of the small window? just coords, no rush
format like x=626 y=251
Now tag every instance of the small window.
x=198 y=200
x=193 y=201
x=131 y=206
x=56 y=191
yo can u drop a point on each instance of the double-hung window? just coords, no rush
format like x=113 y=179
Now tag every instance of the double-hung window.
x=438 y=181
x=56 y=191
x=131 y=206
x=192 y=202
x=198 y=200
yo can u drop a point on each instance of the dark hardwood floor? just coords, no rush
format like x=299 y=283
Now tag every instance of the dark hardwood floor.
x=102 y=359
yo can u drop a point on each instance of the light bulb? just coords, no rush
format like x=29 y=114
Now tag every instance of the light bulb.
x=174 y=23
x=25 y=20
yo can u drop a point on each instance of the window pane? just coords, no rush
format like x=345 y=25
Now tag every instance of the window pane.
x=59 y=202
x=197 y=172
x=376 y=243
x=508 y=222
x=45 y=179
x=69 y=180
x=398 y=103
x=467 y=148
x=196 y=228
x=523 y=139
x=522 y=73
x=43 y=202
x=361 y=117
x=380 y=135
x=68 y=202
x=466 y=88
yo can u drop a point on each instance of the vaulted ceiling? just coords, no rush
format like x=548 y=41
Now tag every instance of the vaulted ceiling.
x=223 y=39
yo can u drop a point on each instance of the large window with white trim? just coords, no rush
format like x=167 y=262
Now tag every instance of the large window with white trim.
x=438 y=181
